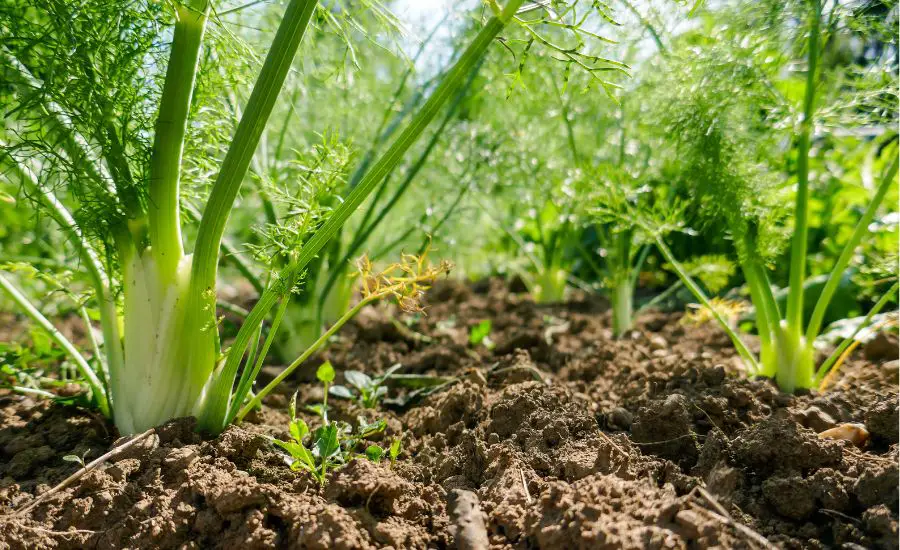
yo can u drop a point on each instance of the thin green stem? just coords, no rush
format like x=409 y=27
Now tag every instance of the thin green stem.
x=381 y=135
x=109 y=321
x=685 y=277
x=661 y=296
x=366 y=230
x=212 y=417
x=257 y=399
x=249 y=375
x=766 y=325
x=171 y=123
x=237 y=159
x=638 y=265
x=879 y=305
x=463 y=189
x=394 y=155
x=794 y=317
x=650 y=28
x=92 y=336
x=570 y=131
x=834 y=278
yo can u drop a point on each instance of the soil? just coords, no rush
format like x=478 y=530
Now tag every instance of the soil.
x=558 y=437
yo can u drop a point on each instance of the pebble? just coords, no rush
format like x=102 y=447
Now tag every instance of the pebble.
x=817 y=419
x=854 y=433
x=658 y=342
x=180 y=458
x=882 y=347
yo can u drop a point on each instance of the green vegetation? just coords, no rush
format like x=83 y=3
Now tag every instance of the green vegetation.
x=207 y=187
x=129 y=199
x=729 y=163
x=334 y=443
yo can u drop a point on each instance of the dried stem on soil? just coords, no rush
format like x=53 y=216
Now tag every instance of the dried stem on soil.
x=80 y=473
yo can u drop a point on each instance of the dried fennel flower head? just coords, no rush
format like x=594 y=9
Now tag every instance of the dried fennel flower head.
x=730 y=310
x=406 y=280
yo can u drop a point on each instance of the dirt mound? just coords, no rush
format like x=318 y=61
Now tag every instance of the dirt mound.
x=561 y=436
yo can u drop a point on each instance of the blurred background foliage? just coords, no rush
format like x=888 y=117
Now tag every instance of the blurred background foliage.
x=683 y=112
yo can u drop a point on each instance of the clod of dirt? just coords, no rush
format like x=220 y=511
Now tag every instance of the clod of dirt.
x=463 y=403
x=878 y=485
x=607 y=512
x=619 y=418
x=467 y=520
x=797 y=498
x=883 y=347
x=664 y=428
x=881 y=420
x=365 y=484
x=781 y=444
x=882 y=525
x=539 y=419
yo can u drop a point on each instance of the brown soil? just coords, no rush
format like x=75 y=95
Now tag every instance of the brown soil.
x=562 y=436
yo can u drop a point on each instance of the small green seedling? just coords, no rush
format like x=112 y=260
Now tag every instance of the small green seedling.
x=78 y=459
x=333 y=444
x=480 y=334
x=325 y=375
x=369 y=390
x=395 y=449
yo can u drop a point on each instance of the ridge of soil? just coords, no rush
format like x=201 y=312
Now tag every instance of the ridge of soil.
x=568 y=438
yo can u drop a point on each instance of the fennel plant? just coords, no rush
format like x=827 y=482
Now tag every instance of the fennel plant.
x=87 y=148
x=719 y=130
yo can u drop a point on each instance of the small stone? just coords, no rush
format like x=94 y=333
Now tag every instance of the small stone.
x=658 y=342
x=816 y=419
x=181 y=458
x=122 y=468
x=714 y=376
x=475 y=376
x=854 y=433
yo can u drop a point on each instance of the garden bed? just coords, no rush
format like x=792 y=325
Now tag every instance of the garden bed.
x=568 y=438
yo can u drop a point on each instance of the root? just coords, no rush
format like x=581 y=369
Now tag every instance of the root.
x=469 y=532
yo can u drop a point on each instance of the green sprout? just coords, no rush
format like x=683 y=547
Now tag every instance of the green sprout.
x=331 y=445
x=370 y=390
x=481 y=334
